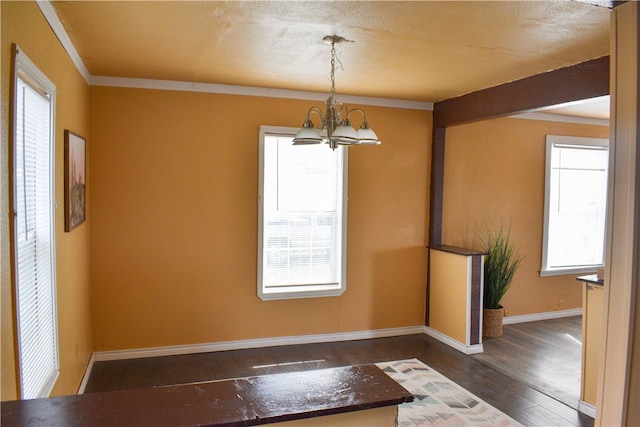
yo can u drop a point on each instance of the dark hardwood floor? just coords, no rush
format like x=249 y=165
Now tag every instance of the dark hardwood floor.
x=522 y=402
x=546 y=354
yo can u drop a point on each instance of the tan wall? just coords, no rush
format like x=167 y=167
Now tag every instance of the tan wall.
x=448 y=300
x=23 y=24
x=174 y=225
x=592 y=302
x=495 y=176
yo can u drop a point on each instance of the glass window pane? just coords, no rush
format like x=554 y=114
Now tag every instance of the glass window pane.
x=34 y=234
x=302 y=217
x=576 y=205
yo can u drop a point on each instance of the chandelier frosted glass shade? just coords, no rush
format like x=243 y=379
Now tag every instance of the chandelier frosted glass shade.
x=307 y=136
x=367 y=136
x=345 y=134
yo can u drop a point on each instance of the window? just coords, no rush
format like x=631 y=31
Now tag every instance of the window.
x=33 y=229
x=575 y=205
x=302 y=218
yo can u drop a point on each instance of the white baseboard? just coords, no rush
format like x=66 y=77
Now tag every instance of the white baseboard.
x=542 y=316
x=587 y=409
x=466 y=349
x=100 y=356
x=253 y=343
x=87 y=373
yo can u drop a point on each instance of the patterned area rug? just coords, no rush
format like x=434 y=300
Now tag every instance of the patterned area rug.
x=438 y=400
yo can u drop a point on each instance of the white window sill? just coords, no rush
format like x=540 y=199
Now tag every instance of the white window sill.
x=570 y=271
x=292 y=293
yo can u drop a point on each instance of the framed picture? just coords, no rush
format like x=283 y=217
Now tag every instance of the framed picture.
x=74 y=180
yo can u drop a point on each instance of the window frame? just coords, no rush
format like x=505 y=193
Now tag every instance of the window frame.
x=551 y=141
x=302 y=291
x=26 y=71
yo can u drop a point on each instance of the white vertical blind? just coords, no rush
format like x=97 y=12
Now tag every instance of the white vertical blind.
x=34 y=230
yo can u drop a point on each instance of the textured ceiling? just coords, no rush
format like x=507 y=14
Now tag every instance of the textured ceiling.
x=418 y=50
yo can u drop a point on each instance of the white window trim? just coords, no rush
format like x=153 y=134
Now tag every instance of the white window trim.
x=545 y=270
x=24 y=67
x=304 y=291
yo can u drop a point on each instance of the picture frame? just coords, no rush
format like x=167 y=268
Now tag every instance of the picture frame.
x=75 y=179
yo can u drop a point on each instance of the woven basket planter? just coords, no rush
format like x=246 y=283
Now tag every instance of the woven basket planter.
x=492 y=322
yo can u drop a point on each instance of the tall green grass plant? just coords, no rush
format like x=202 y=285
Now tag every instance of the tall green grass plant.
x=500 y=266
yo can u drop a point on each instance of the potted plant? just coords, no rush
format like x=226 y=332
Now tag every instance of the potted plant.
x=500 y=265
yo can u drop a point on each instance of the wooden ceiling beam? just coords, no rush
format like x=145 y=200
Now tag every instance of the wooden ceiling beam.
x=585 y=80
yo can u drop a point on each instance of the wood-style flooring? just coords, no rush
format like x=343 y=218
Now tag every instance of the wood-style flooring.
x=512 y=396
x=546 y=354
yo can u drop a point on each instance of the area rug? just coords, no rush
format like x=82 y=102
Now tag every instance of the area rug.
x=438 y=400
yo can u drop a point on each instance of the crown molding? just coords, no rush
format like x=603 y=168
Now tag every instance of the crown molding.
x=253 y=91
x=56 y=25
x=550 y=117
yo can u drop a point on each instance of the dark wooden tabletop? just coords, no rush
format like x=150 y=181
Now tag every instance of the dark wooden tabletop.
x=242 y=401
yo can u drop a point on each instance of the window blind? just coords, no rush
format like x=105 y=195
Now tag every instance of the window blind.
x=33 y=232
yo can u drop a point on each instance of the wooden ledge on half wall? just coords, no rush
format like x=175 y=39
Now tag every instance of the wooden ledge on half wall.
x=362 y=393
x=457 y=250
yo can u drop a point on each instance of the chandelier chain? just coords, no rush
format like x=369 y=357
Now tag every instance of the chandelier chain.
x=333 y=69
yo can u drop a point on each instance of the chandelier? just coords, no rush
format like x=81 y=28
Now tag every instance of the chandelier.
x=335 y=119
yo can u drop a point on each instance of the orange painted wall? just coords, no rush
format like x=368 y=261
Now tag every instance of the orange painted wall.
x=449 y=284
x=174 y=221
x=23 y=24
x=494 y=176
